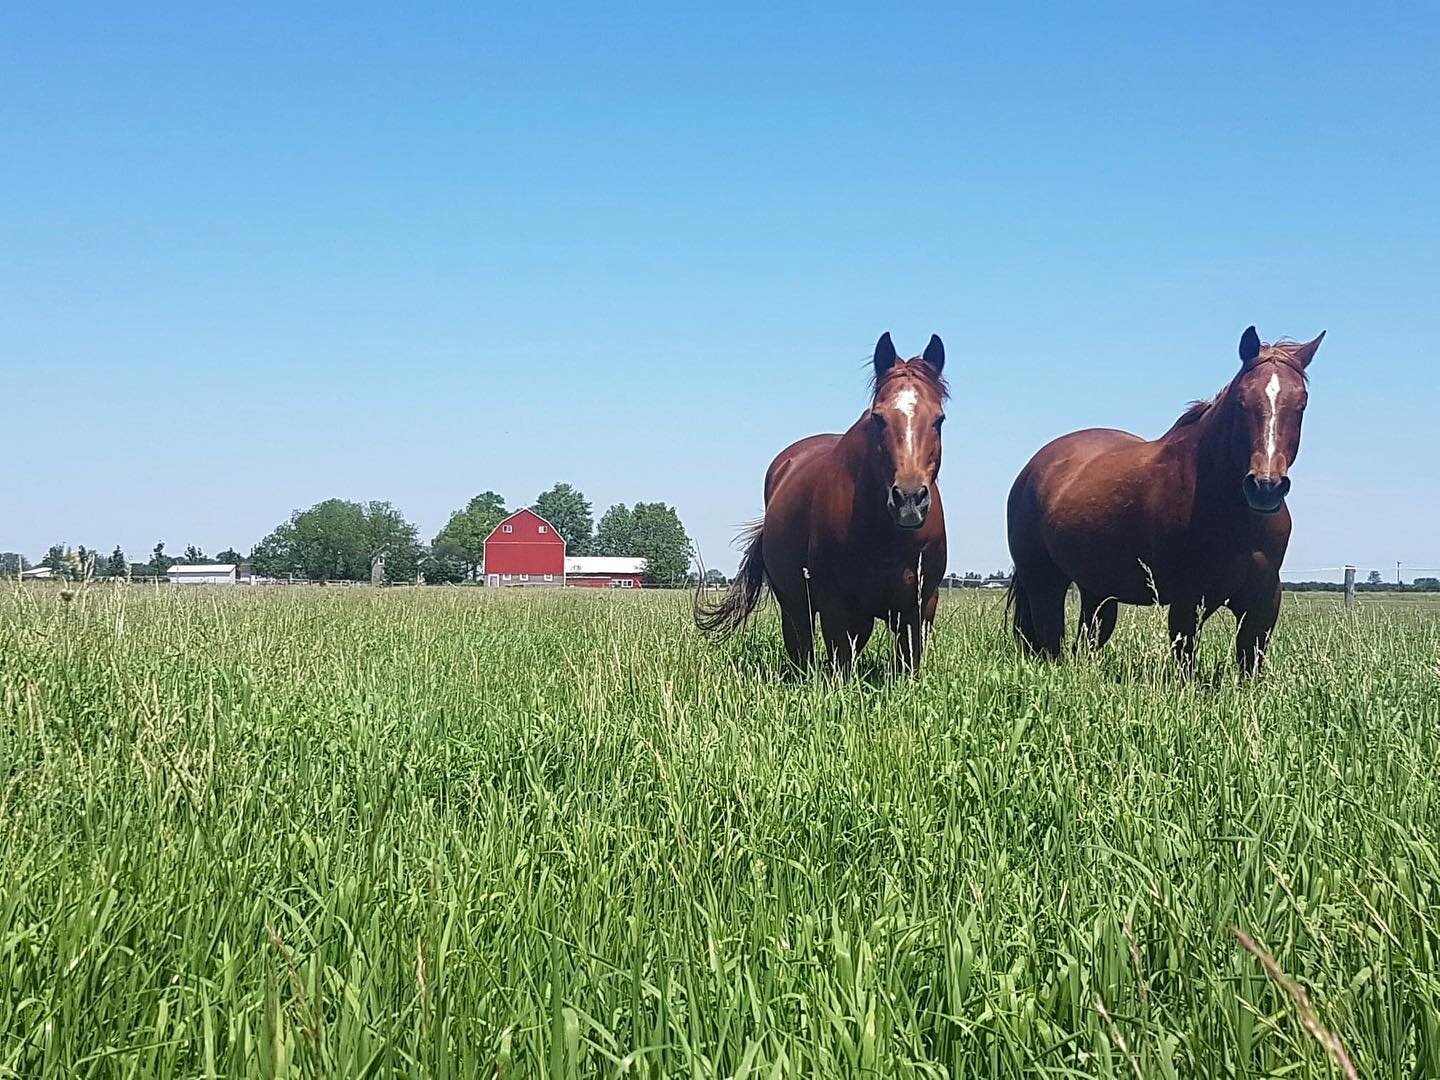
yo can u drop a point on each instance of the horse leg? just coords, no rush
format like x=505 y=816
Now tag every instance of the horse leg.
x=1185 y=618
x=1097 y=619
x=797 y=626
x=1022 y=622
x=912 y=629
x=1255 y=615
x=1043 y=586
x=845 y=636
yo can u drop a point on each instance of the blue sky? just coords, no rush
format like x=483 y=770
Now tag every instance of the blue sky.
x=253 y=258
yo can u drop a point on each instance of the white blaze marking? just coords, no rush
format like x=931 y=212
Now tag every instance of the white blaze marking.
x=905 y=402
x=1272 y=392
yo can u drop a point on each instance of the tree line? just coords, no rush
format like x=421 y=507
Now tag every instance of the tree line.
x=339 y=540
x=82 y=564
x=1375 y=583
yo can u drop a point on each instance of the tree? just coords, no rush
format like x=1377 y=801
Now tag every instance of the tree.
x=229 y=557
x=445 y=563
x=84 y=562
x=330 y=542
x=1426 y=584
x=715 y=577
x=462 y=540
x=117 y=566
x=194 y=555
x=615 y=535
x=160 y=563
x=13 y=564
x=55 y=559
x=659 y=538
x=568 y=511
x=337 y=540
x=274 y=556
x=390 y=536
x=1374 y=578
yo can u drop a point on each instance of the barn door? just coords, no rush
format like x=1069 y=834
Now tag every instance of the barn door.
x=494 y=581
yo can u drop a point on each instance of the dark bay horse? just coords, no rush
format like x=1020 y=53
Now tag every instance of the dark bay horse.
x=1195 y=519
x=853 y=528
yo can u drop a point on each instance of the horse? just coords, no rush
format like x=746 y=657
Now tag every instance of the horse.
x=854 y=530
x=1195 y=519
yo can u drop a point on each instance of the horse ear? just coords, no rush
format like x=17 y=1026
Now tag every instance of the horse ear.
x=935 y=353
x=1249 y=345
x=1305 y=353
x=884 y=355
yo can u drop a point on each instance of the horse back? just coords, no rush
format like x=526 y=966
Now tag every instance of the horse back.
x=1086 y=503
x=794 y=458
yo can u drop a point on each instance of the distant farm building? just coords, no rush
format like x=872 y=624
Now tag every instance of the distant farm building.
x=37 y=573
x=524 y=550
x=604 y=572
x=203 y=574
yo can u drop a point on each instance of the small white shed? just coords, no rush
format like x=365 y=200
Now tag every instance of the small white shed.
x=202 y=574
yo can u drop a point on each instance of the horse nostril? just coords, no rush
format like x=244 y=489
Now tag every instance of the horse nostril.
x=923 y=495
x=1251 y=483
x=1284 y=486
x=896 y=496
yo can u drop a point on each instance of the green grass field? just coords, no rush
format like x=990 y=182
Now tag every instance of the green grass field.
x=451 y=833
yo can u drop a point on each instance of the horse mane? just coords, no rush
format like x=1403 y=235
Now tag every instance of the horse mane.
x=1197 y=410
x=1280 y=352
x=933 y=380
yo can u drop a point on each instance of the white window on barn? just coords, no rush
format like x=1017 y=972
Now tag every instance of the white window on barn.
x=508 y=528
x=524 y=577
x=542 y=528
x=549 y=577
x=509 y=576
x=627 y=584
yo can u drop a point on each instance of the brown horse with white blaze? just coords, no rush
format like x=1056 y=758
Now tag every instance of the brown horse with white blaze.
x=853 y=528
x=1195 y=519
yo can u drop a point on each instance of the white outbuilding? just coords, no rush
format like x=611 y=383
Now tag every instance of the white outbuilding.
x=202 y=574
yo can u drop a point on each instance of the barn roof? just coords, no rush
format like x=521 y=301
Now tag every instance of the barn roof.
x=202 y=568
x=524 y=511
x=604 y=564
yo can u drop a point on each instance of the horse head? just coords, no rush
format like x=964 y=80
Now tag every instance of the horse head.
x=903 y=428
x=1269 y=395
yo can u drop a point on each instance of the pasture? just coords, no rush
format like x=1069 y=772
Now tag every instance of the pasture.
x=449 y=832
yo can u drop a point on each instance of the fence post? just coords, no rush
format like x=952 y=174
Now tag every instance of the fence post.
x=1349 y=587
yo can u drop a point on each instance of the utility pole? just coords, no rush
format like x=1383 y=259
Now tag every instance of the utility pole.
x=1397 y=571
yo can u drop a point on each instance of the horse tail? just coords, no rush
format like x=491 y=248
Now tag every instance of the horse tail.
x=722 y=619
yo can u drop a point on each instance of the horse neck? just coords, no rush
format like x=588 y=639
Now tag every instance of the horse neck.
x=1207 y=442
x=854 y=452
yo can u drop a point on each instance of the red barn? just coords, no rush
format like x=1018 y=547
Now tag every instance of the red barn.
x=524 y=549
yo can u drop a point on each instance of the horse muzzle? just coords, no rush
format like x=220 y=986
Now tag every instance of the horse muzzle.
x=909 y=508
x=1265 y=493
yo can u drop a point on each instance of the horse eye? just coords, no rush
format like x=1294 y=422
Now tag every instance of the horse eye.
x=940 y=420
x=877 y=419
